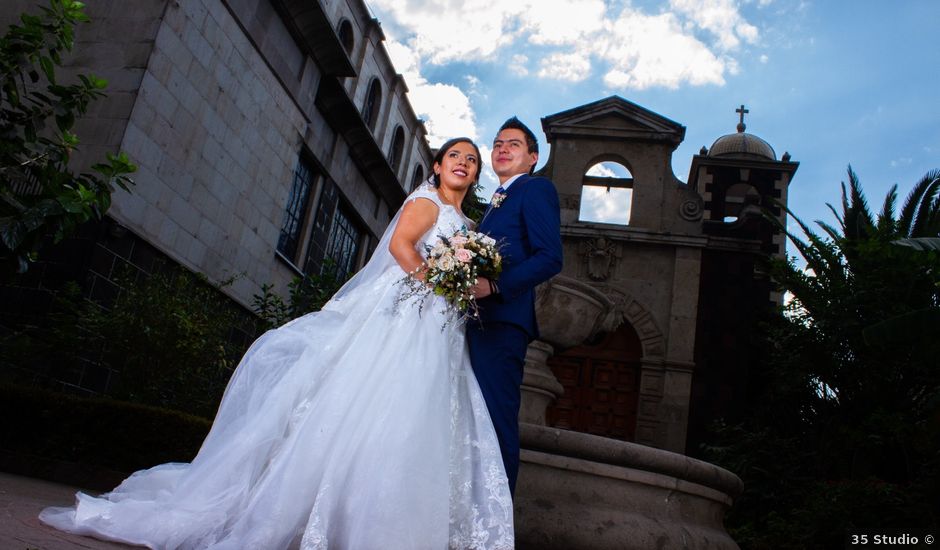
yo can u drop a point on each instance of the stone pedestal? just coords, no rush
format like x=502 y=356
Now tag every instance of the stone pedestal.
x=539 y=385
x=580 y=491
x=571 y=312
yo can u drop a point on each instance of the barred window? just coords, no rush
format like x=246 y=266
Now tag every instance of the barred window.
x=336 y=238
x=296 y=212
x=343 y=249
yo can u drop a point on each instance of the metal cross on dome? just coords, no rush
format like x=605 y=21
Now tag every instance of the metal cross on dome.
x=742 y=111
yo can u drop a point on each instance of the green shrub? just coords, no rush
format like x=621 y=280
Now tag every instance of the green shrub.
x=169 y=339
x=307 y=293
x=104 y=433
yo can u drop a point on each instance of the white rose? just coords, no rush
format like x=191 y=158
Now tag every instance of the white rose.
x=446 y=263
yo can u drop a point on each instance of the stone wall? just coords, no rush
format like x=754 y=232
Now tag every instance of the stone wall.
x=215 y=101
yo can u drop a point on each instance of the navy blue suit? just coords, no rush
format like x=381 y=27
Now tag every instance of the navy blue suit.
x=527 y=224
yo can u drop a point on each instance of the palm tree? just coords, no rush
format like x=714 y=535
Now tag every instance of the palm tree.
x=840 y=258
x=849 y=396
x=920 y=215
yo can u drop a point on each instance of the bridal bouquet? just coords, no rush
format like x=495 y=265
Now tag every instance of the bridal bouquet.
x=452 y=266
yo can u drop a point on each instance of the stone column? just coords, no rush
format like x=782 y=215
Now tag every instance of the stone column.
x=539 y=385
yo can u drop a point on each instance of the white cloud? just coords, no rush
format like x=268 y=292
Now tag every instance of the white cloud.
x=641 y=49
x=600 y=205
x=599 y=170
x=764 y=58
x=488 y=179
x=562 y=22
x=517 y=65
x=689 y=42
x=903 y=161
x=446 y=111
x=443 y=31
x=570 y=67
x=719 y=17
x=445 y=108
x=403 y=58
x=646 y=51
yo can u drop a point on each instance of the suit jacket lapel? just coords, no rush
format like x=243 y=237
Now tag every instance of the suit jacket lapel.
x=515 y=186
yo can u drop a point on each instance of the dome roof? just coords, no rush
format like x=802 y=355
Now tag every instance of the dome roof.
x=741 y=145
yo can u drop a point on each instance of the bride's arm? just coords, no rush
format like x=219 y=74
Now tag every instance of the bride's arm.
x=417 y=217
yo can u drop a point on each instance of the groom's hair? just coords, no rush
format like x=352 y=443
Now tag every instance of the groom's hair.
x=516 y=124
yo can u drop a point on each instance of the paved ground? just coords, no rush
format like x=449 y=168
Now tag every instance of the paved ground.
x=21 y=499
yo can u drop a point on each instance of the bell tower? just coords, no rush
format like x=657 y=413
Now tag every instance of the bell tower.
x=740 y=180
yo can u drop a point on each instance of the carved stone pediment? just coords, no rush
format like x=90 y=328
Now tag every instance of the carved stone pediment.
x=613 y=118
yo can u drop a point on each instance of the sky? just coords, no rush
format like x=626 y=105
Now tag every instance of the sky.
x=833 y=82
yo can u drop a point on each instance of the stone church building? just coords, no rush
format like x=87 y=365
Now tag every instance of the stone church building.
x=676 y=289
x=272 y=138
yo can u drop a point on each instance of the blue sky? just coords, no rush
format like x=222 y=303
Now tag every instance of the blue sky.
x=833 y=83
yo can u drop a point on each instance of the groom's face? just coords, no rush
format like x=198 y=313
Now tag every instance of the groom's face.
x=511 y=154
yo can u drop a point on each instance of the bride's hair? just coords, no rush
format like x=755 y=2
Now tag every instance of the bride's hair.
x=439 y=158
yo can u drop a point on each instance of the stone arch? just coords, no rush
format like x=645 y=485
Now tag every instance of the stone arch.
x=346 y=36
x=739 y=199
x=607 y=157
x=602 y=371
x=572 y=312
x=372 y=104
x=418 y=177
x=628 y=309
x=397 y=148
x=606 y=191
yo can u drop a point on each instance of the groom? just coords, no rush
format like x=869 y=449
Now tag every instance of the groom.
x=524 y=217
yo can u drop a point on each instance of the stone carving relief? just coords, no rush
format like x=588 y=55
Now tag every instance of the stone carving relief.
x=692 y=208
x=600 y=256
x=570 y=202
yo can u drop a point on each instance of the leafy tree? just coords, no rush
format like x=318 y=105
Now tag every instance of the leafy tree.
x=40 y=195
x=844 y=423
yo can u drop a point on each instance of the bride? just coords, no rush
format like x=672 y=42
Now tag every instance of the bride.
x=358 y=427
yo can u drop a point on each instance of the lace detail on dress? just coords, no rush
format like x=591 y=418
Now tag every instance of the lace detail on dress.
x=449 y=219
x=315 y=534
x=481 y=512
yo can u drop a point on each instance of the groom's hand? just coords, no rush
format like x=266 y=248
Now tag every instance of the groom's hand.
x=482 y=289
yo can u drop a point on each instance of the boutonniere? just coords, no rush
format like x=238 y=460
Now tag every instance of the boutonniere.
x=497 y=199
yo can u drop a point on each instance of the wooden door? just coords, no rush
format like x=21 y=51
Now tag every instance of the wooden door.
x=601 y=384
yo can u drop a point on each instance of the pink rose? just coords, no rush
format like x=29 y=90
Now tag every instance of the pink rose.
x=458 y=240
x=463 y=255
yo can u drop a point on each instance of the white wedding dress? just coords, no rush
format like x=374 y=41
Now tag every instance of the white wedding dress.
x=358 y=427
